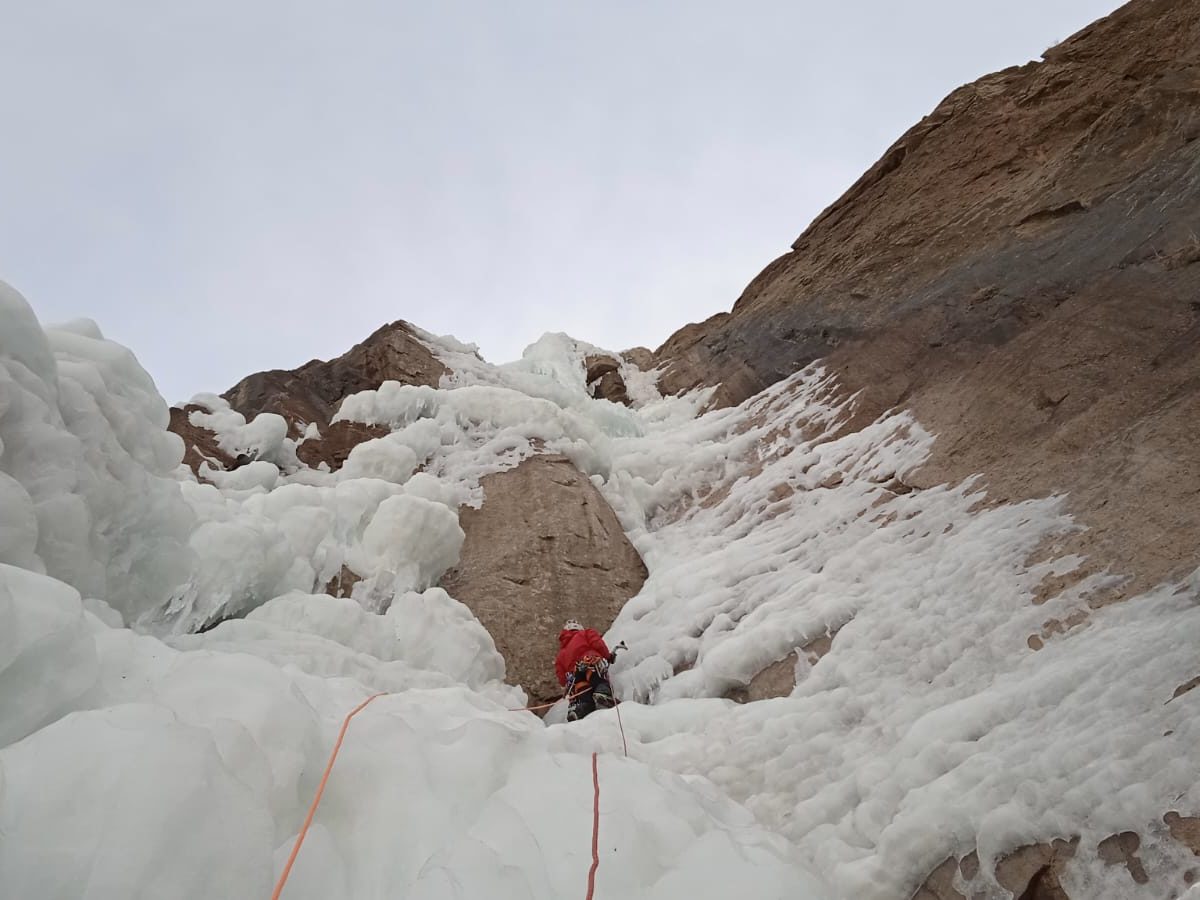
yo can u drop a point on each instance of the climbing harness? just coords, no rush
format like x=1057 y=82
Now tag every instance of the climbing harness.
x=591 y=665
x=590 y=672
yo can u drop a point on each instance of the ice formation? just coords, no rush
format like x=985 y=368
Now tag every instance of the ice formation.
x=159 y=762
x=172 y=676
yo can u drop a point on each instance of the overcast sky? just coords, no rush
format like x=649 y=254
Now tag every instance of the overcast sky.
x=229 y=187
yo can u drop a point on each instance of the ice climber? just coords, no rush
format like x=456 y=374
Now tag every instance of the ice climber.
x=582 y=668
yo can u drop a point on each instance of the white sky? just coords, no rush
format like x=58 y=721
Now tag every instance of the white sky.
x=229 y=187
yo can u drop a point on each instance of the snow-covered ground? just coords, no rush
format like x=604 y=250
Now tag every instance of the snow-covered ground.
x=157 y=762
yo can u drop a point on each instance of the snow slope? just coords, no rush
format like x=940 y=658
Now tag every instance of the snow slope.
x=157 y=762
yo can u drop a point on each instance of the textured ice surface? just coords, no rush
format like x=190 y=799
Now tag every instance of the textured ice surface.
x=181 y=765
x=151 y=762
x=86 y=464
x=931 y=727
x=166 y=763
x=265 y=437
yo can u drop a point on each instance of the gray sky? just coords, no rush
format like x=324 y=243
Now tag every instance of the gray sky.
x=228 y=187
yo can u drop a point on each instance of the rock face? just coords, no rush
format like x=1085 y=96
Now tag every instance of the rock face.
x=336 y=442
x=313 y=392
x=1021 y=269
x=779 y=678
x=200 y=444
x=604 y=379
x=642 y=357
x=545 y=546
x=1032 y=872
x=1036 y=871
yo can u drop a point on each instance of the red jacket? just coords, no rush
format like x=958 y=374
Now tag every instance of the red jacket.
x=574 y=646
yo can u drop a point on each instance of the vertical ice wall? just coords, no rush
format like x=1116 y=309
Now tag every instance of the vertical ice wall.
x=134 y=767
x=932 y=727
x=86 y=464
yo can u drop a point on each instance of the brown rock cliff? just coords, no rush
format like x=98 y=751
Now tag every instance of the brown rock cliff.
x=1021 y=269
x=313 y=393
x=545 y=546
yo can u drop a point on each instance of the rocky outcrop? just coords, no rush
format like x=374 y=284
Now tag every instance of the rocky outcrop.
x=1022 y=270
x=1032 y=872
x=545 y=546
x=200 y=444
x=1185 y=830
x=335 y=443
x=779 y=678
x=604 y=379
x=641 y=357
x=313 y=392
x=342 y=584
x=1037 y=871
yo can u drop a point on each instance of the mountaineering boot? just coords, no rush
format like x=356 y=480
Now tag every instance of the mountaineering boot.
x=602 y=696
x=581 y=706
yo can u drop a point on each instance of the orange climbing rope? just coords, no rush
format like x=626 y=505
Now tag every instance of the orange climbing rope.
x=591 y=887
x=312 y=810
